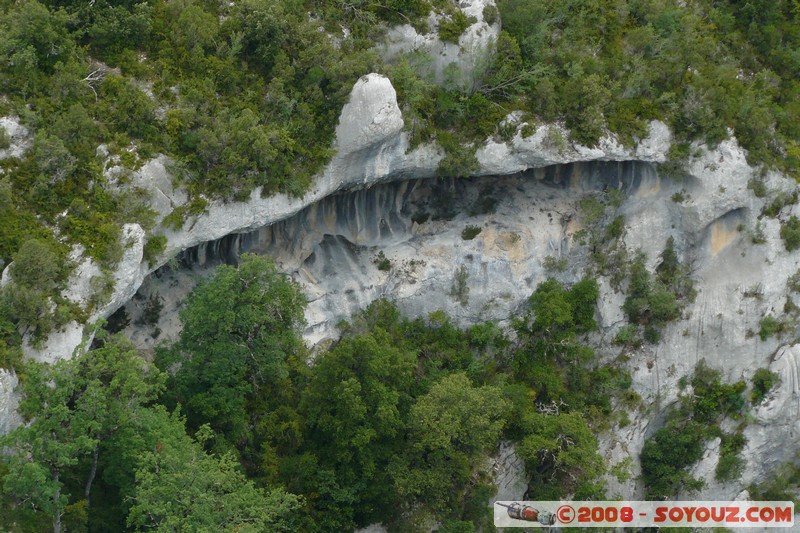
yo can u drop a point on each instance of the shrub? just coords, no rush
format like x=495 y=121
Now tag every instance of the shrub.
x=628 y=336
x=667 y=455
x=782 y=200
x=769 y=326
x=615 y=228
x=663 y=306
x=790 y=233
x=36 y=265
x=652 y=334
x=451 y=28
x=763 y=381
x=153 y=248
x=679 y=197
x=757 y=236
x=553 y=264
x=382 y=262
x=470 y=232
x=490 y=14
x=460 y=289
x=458 y=161
x=731 y=464
x=793 y=283
x=712 y=398
x=758 y=187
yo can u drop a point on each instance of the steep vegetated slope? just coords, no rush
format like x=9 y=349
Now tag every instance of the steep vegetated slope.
x=394 y=423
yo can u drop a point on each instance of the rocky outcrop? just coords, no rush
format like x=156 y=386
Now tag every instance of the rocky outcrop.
x=456 y=64
x=9 y=418
x=777 y=419
x=371 y=148
x=19 y=138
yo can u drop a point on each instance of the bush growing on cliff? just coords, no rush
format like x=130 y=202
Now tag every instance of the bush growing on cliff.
x=452 y=26
x=769 y=326
x=599 y=66
x=790 y=233
x=460 y=288
x=731 y=464
x=763 y=381
x=670 y=452
x=712 y=398
x=239 y=329
x=470 y=232
x=153 y=249
x=654 y=302
x=667 y=456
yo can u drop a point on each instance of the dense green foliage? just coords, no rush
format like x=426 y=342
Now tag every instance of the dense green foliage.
x=98 y=448
x=668 y=454
x=179 y=487
x=731 y=464
x=38 y=269
x=233 y=431
x=238 y=334
x=790 y=233
x=651 y=303
x=703 y=67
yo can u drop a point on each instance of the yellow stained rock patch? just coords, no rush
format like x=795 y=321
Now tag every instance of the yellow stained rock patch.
x=722 y=234
x=505 y=244
x=573 y=226
x=649 y=188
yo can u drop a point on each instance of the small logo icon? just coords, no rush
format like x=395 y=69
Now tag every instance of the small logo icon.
x=527 y=513
x=565 y=514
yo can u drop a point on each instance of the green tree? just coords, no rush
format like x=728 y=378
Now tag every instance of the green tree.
x=74 y=407
x=53 y=158
x=790 y=233
x=355 y=408
x=560 y=454
x=452 y=427
x=667 y=456
x=554 y=318
x=115 y=383
x=180 y=487
x=36 y=265
x=46 y=448
x=239 y=329
x=763 y=381
x=669 y=267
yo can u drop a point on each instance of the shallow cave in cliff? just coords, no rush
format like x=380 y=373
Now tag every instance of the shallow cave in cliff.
x=404 y=240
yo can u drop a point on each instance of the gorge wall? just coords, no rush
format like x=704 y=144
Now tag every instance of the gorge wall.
x=373 y=196
x=333 y=249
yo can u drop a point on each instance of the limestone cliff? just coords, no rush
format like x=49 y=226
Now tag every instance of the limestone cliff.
x=364 y=203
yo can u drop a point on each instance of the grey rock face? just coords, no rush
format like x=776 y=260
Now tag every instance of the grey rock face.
x=776 y=431
x=18 y=135
x=9 y=418
x=331 y=248
x=457 y=64
x=372 y=148
x=329 y=244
